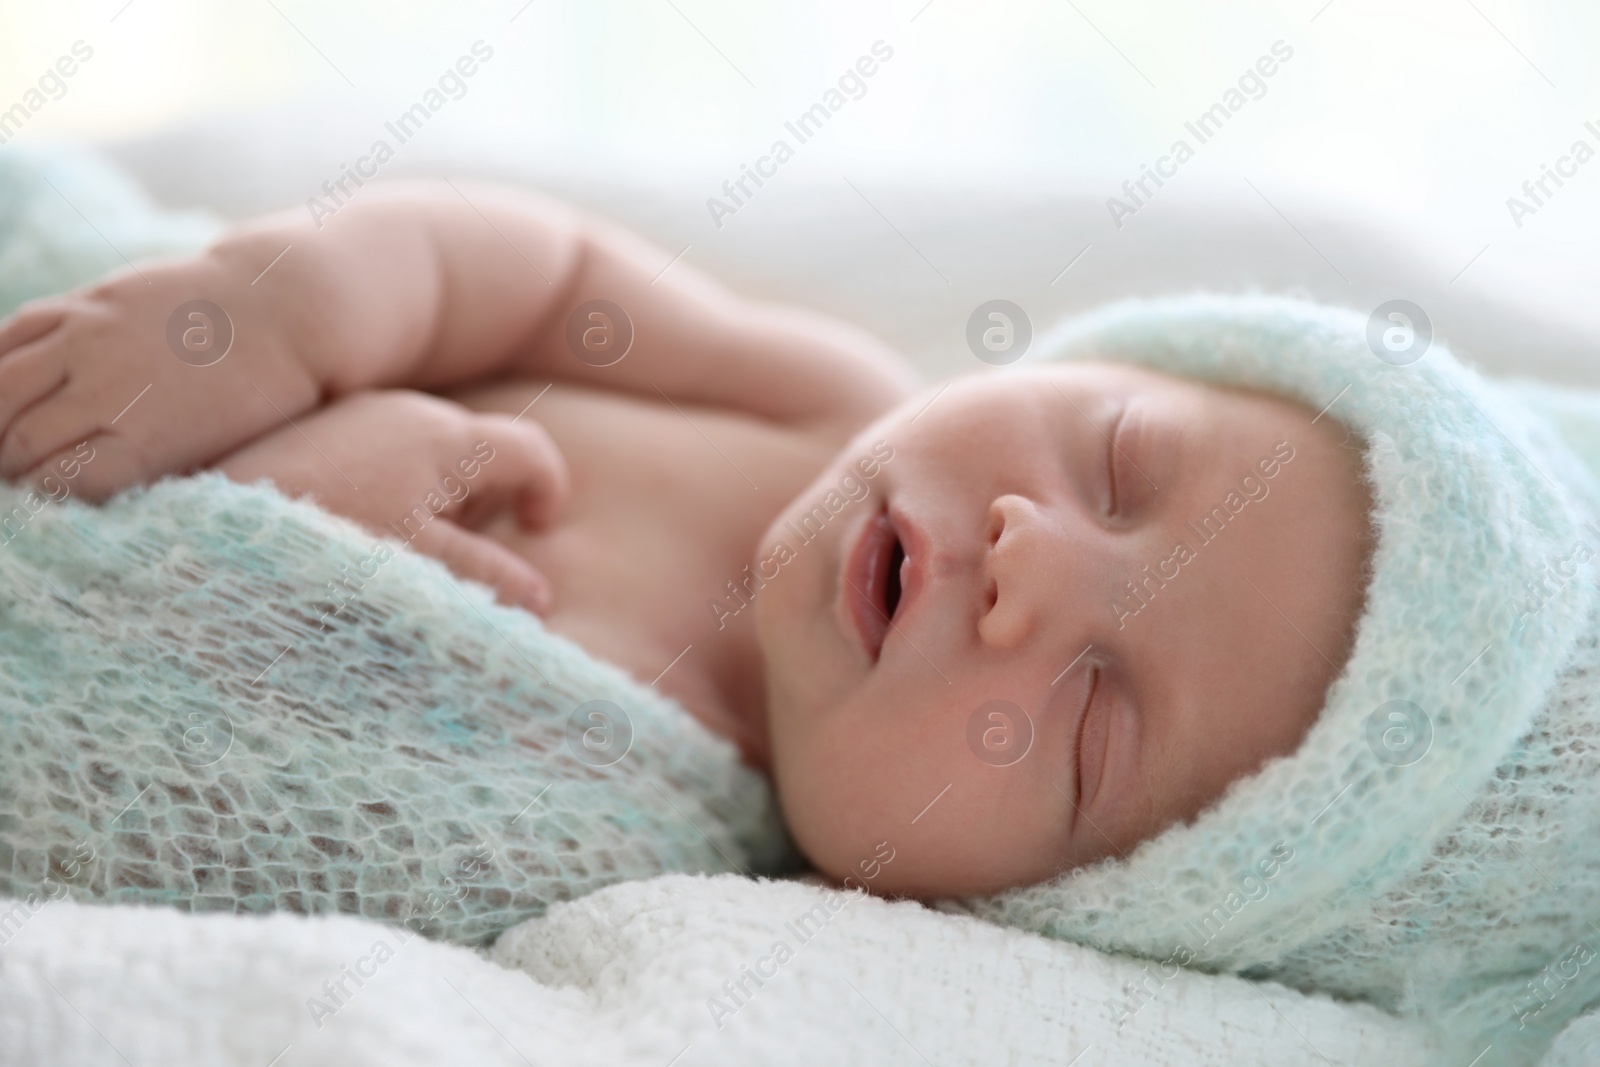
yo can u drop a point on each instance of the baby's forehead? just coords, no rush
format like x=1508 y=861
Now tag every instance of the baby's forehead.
x=1133 y=379
x=1032 y=405
x=1066 y=381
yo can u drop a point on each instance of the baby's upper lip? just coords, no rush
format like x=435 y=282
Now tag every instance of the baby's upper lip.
x=914 y=542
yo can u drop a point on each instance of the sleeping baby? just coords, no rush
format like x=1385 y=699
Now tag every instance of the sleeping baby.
x=1089 y=641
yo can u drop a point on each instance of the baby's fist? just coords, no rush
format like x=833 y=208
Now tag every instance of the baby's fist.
x=151 y=371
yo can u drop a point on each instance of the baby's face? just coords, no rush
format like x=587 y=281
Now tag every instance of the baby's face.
x=1076 y=603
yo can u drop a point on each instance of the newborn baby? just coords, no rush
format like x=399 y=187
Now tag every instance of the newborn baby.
x=1141 y=584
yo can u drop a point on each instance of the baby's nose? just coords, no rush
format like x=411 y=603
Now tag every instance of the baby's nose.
x=1013 y=573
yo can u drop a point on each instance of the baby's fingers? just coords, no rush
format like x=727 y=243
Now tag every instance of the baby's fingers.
x=29 y=323
x=473 y=556
x=520 y=464
x=26 y=377
x=92 y=469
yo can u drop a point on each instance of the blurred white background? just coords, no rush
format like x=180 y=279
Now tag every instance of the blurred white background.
x=1418 y=120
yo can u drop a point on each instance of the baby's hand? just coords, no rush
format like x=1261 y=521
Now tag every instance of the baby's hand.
x=160 y=369
x=426 y=471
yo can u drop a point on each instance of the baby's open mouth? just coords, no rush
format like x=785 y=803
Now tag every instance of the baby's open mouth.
x=872 y=576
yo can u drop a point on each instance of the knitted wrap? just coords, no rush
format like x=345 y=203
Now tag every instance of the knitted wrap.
x=1439 y=856
x=214 y=698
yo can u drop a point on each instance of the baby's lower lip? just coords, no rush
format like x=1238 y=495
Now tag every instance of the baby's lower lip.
x=864 y=575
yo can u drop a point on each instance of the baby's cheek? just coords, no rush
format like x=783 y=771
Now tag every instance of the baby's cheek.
x=810 y=795
x=837 y=789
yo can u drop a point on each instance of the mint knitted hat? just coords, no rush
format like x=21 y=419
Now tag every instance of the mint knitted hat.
x=1433 y=845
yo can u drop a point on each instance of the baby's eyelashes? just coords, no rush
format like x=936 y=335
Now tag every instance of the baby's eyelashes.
x=1139 y=459
x=1112 y=496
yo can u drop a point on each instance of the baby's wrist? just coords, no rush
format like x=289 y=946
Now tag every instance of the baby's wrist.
x=336 y=304
x=263 y=276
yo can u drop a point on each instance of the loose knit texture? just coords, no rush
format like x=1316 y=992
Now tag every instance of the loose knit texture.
x=1441 y=861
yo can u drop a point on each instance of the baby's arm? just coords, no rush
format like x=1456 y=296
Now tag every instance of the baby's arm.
x=423 y=287
x=433 y=288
